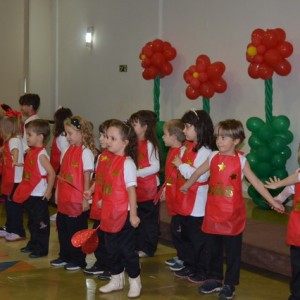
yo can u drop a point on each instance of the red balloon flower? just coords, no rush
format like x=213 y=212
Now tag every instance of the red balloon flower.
x=267 y=53
x=156 y=57
x=204 y=78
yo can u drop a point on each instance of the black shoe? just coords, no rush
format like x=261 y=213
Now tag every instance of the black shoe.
x=72 y=267
x=210 y=286
x=36 y=255
x=227 y=292
x=58 y=262
x=184 y=273
x=26 y=249
x=94 y=270
x=105 y=276
x=196 y=278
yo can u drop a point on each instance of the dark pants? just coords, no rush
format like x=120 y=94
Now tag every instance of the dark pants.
x=121 y=252
x=38 y=224
x=148 y=231
x=67 y=226
x=100 y=252
x=295 y=281
x=176 y=233
x=14 y=215
x=233 y=249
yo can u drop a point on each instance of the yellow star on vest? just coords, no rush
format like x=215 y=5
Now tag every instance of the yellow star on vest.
x=222 y=167
x=104 y=158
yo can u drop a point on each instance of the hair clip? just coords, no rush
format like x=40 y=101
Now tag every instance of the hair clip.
x=194 y=111
x=75 y=122
x=13 y=113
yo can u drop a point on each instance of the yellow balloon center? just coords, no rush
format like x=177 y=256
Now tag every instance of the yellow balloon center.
x=251 y=51
x=195 y=74
x=143 y=56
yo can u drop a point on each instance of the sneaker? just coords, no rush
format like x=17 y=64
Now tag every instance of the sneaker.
x=210 y=286
x=196 y=278
x=26 y=249
x=94 y=270
x=177 y=267
x=227 y=292
x=172 y=261
x=105 y=276
x=71 y=267
x=3 y=232
x=142 y=254
x=53 y=217
x=12 y=237
x=58 y=262
x=184 y=273
x=36 y=255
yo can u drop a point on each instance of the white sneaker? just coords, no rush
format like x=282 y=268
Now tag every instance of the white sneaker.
x=116 y=283
x=135 y=287
x=53 y=217
x=3 y=232
x=12 y=237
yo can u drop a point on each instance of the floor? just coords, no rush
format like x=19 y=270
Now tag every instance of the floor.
x=35 y=279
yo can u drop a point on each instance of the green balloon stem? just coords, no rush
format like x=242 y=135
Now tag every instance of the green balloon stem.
x=268 y=100
x=206 y=104
x=156 y=94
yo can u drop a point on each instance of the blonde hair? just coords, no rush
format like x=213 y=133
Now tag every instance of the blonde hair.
x=175 y=127
x=10 y=127
x=80 y=124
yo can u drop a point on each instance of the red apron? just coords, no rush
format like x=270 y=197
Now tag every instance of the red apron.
x=225 y=211
x=8 y=170
x=114 y=197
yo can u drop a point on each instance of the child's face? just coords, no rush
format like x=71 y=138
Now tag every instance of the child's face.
x=190 y=132
x=168 y=139
x=33 y=139
x=115 y=143
x=139 y=129
x=226 y=144
x=74 y=136
x=26 y=110
x=103 y=140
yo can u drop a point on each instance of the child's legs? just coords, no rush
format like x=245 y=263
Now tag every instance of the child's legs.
x=100 y=252
x=233 y=251
x=295 y=281
x=148 y=230
x=176 y=232
x=63 y=237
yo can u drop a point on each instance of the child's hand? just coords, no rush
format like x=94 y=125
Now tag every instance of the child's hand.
x=177 y=161
x=184 y=188
x=163 y=195
x=85 y=205
x=278 y=206
x=99 y=203
x=272 y=183
x=17 y=164
x=87 y=194
x=47 y=195
x=134 y=221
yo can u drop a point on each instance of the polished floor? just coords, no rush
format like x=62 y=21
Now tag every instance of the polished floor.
x=35 y=279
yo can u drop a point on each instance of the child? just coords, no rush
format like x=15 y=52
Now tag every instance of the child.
x=29 y=105
x=74 y=178
x=144 y=122
x=174 y=138
x=293 y=228
x=119 y=210
x=12 y=171
x=225 y=213
x=191 y=207
x=36 y=187
x=104 y=159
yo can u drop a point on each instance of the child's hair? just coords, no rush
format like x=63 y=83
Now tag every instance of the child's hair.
x=232 y=128
x=175 y=127
x=80 y=124
x=127 y=133
x=204 y=127
x=5 y=107
x=30 y=99
x=59 y=117
x=104 y=125
x=149 y=118
x=40 y=126
x=10 y=127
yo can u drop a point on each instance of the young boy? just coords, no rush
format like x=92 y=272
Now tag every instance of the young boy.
x=29 y=105
x=174 y=138
x=36 y=187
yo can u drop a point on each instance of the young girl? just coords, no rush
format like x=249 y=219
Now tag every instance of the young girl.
x=144 y=122
x=74 y=177
x=35 y=189
x=119 y=210
x=12 y=172
x=225 y=213
x=191 y=207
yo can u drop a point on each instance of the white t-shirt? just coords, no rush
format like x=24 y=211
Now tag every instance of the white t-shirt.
x=16 y=143
x=130 y=173
x=62 y=143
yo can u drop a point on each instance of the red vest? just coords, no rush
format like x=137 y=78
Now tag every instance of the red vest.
x=225 y=211
x=146 y=186
x=104 y=163
x=293 y=228
x=69 y=200
x=55 y=156
x=31 y=176
x=114 y=197
x=171 y=180
x=8 y=170
x=184 y=203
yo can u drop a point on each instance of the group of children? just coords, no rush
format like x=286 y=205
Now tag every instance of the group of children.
x=202 y=189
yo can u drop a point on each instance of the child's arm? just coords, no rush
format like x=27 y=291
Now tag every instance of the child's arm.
x=288 y=190
x=86 y=178
x=133 y=217
x=259 y=186
x=15 y=155
x=274 y=183
x=199 y=171
x=45 y=162
x=89 y=192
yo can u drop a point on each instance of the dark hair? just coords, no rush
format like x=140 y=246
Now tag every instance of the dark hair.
x=5 y=107
x=59 y=117
x=30 y=99
x=104 y=125
x=204 y=127
x=232 y=128
x=149 y=118
x=175 y=127
x=127 y=133
x=40 y=126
